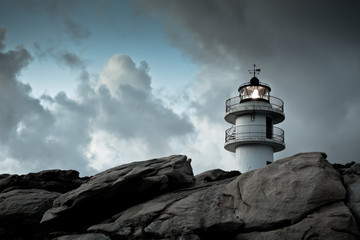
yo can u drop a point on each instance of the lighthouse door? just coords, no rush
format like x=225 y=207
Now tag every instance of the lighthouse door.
x=269 y=128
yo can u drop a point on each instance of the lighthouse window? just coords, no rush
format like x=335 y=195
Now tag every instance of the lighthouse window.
x=269 y=128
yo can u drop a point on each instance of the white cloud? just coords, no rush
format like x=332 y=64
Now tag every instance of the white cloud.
x=106 y=150
x=206 y=147
x=113 y=120
x=120 y=71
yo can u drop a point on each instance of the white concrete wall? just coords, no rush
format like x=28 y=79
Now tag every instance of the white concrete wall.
x=259 y=119
x=253 y=156
x=250 y=157
x=251 y=124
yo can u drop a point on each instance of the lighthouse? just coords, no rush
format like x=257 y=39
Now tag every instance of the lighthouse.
x=253 y=136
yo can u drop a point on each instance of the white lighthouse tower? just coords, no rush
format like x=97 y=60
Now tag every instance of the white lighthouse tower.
x=253 y=113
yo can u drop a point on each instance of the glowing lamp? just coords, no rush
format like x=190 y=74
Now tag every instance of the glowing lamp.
x=254 y=91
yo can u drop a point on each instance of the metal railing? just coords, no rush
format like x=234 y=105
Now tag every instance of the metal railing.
x=234 y=103
x=246 y=132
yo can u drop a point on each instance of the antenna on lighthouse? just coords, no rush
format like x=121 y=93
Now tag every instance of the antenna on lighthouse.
x=255 y=70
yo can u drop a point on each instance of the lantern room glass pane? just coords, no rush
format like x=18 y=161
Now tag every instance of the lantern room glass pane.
x=254 y=93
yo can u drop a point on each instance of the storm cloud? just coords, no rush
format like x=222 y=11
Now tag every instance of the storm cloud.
x=308 y=51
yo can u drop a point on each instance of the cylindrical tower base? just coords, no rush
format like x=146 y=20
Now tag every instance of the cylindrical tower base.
x=250 y=157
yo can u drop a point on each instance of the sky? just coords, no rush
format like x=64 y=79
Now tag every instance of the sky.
x=89 y=85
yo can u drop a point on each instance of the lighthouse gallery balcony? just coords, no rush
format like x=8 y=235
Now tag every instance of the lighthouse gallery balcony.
x=250 y=134
x=275 y=108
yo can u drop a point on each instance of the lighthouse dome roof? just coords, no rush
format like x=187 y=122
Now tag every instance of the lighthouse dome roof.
x=254 y=81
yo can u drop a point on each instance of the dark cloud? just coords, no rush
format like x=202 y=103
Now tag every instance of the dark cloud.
x=62 y=57
x=54 y=8
x=23 y=119
x=76 y=31
x=2 y=38
x=212 y=29
x=71 y=60
x=32 y=136
x=309 y=53
x=58 y=9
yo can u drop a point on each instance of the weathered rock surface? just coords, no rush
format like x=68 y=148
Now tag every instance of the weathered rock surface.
x=51 y=180
x=117 y=189
x=21 y=212
x=352 y=183
x=331 y=222
x=300 y=197
x=281 y=194
x=215 y=175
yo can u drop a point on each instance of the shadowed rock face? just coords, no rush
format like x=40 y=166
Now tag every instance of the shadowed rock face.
x=25 y=198
x=300 y=197
x=21 y=211
x=332 y=221
x=51 y=180
x=116 y=189
x=351 y=178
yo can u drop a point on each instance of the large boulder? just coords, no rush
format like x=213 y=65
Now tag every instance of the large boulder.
x=116 y=189
x=280 y=195
x=21 y=211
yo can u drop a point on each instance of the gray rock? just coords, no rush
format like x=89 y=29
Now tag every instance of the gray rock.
x=215 y=175
x=352 y=184
x=286 y=190
x=279 y=195
x=52 y=180
x=21 y=212
x=353 y=169
x=88 y=236
x=117 y=189
x=136 y=221
x=331 y=222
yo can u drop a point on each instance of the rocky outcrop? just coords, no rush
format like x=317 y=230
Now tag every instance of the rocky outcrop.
x=279 y=195
x=51 y=180
x=25 y=198
x=116 y=189
x=300 y=197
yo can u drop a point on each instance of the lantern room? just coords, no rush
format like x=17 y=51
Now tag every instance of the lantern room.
x=254 y=91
